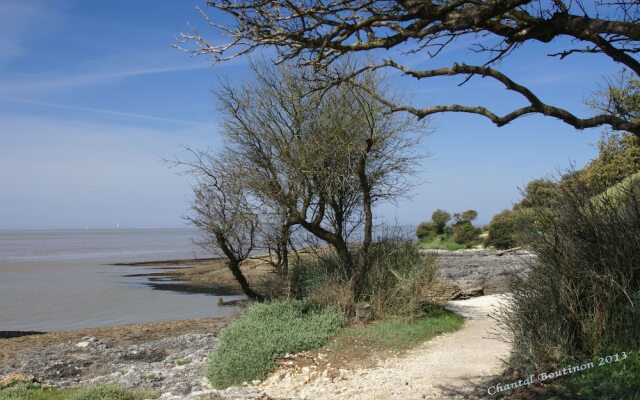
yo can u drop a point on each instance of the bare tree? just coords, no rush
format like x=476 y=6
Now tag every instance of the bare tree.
x=223 y=212
x=321 y=32
x=323 y=157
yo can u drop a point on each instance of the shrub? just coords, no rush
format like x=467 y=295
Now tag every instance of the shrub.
x=424 y=230
x=502 y=230
x=580 y=297
x=537 y=193
x=465 y=232
x=310 y=273
x=248 y=348
x=469 y=215
x=400 y=280
x=440 y=219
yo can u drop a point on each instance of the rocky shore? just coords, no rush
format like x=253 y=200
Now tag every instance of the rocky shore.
x=170 y=357
x=478 y=271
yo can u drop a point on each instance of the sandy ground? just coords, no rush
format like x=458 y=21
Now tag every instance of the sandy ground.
x=450 y=366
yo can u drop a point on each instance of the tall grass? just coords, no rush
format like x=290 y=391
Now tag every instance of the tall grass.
x=582 y=294
x=400 y=280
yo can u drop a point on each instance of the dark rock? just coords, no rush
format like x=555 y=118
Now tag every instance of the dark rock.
x=467 y=293
x=13 y=334
x=466 y=270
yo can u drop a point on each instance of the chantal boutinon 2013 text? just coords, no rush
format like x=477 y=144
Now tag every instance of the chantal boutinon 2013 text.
x=543 y=376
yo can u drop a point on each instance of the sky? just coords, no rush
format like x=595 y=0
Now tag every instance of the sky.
x=93 y=97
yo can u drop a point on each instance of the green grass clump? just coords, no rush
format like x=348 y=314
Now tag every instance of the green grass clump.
x=400 y=334
x=29 y=391
x=444 y=242
x=184 y=361
x=249 y=347
x=615 y=381
x=104 y=392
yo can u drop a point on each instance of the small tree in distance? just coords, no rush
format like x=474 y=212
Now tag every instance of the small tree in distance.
x=440 y=219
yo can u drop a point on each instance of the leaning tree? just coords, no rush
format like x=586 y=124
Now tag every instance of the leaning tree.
x=222 y=210
x=320 y=32
x=323 y=158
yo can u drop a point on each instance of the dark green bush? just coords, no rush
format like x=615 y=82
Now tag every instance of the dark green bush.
x=465 y=232
x=502 y=230
x=248 y=348
x=425 y=229
x=580 y=296
x=440 y=219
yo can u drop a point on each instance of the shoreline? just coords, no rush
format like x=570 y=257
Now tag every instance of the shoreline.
x=124 y=334
x=461 y=272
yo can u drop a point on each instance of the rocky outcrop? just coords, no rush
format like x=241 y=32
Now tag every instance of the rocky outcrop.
x=469 y=273
x=175 y=365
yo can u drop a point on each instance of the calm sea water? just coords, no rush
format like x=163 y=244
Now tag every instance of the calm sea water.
x=61 y=280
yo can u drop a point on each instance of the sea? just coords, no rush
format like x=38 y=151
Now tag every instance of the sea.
x=54 y=280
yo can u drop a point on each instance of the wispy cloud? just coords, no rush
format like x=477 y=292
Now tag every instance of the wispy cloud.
x=19 y=20
x=26 y=83
x=113 y=113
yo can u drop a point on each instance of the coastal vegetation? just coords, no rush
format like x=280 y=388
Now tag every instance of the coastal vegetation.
x=584 y=229
x=579 y=298
x=249 y=347
x=304 y=159
x=399 y=291
x=616 y=381
x=461 y=234
x=400 y=334
x=20 y=390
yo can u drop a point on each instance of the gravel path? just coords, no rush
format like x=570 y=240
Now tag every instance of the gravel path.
x=450 y=366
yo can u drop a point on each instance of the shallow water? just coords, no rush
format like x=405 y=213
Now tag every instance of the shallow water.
x=62 y=280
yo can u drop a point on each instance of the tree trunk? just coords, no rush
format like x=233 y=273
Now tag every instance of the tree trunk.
x=233 y=263
x=234 y=267
x=363 y=255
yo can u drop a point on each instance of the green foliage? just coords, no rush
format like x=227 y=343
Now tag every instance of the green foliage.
x=615 y=381
x=440 y=218
x=468 y=215
x=465 y=216
x=443 y=242
x=580 y=296
x=29 y=391
x=248 y=348
x=464 y=232
x=400 y=280
x=425 y=229
x=105 y=392
x=309 y=274
x=401 y=334
x=618 y=157
x=502 y=230
x=537 y=193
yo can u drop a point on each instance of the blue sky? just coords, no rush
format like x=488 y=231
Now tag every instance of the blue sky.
x=92 y=97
